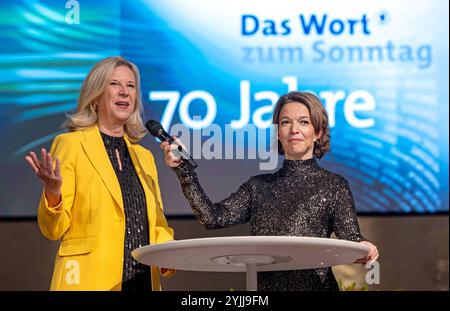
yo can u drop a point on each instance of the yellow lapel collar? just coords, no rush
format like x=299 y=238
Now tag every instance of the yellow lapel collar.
x=138 y=157
x=134 y=154
x=147 y=180
x=96 y=152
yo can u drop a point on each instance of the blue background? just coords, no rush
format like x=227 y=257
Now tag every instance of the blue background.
x=398 y=165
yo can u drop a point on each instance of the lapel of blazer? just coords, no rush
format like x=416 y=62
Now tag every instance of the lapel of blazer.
x=95 y=150
x=135 y=158
x=147 y=180
x=139 y=157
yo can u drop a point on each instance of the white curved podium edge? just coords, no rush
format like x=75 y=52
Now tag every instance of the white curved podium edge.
x=239 y=242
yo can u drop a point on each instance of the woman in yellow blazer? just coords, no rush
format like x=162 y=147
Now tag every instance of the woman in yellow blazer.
x=101 y=194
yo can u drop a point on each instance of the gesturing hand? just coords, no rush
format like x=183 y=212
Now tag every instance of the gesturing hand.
x=50 y=177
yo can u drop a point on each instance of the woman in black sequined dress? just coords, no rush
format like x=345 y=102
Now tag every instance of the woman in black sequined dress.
x=300 y=199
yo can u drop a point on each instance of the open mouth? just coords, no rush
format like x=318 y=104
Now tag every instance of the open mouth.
x=122 y=104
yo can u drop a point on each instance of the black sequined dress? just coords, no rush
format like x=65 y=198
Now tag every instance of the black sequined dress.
x=300 y=199
x=136 y=276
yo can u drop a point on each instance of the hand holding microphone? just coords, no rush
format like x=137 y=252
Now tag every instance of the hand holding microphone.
x=174 y=151
x=169 y=157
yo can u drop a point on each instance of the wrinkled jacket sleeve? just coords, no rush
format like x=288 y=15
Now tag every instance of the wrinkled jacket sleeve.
x=55 y=221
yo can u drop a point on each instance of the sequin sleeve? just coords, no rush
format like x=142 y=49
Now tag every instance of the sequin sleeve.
x=231 y=211
x=345 y=221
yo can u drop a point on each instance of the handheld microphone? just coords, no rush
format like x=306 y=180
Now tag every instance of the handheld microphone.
x=155 y=129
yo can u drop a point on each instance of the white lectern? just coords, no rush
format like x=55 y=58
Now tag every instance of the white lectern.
x=250 y=254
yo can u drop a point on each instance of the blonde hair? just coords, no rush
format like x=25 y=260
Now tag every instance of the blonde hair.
x=93 y=88
x=319 y=119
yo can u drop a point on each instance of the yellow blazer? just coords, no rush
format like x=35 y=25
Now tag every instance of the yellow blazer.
x=90 y=219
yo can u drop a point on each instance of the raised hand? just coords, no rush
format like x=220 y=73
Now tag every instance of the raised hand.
x=49 y=174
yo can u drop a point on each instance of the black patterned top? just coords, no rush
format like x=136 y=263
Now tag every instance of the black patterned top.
x=300 y=199
x=136 y=276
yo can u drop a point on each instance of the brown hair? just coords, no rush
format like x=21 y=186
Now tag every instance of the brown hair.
x=93 y=88
x=318 y=114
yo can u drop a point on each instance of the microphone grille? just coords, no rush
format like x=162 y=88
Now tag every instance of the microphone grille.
x=154 y=127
